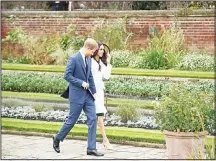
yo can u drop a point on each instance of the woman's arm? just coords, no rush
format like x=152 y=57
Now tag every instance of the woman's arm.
x=106 y=70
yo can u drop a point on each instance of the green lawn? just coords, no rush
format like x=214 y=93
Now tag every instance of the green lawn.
x=34 y=96
x=115 y=71
x=114 y=133
x=113 y=102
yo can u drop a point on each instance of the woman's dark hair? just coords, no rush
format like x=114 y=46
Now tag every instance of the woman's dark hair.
x=104 y=57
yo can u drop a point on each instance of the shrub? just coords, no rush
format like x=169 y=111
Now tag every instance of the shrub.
x=16 y=35
x=33 y=82
x=170 y=41
x=77 y=42
x=72 y=38
x=155 y=59
x=165 y=50
x=39 y=107
x=137 y=61
x=183 y=110
x=199 y=62
x=127 y=113
x=121 y=58
x=65 y=42
x=12 y=45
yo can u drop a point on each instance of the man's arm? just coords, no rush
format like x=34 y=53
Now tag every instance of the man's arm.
x=68 y=75
x=92 y=84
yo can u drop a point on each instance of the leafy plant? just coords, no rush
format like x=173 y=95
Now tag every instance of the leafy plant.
x=77 y=43
x=127 y=113
x=72 y=38
x=195 y=5
x=171 y=40
x=166 y=48
x=184 y=110
x=208 y=153
x=65 y=42
x=39 y=107
x=155 y=59
x=23 y=60
x=16 y=35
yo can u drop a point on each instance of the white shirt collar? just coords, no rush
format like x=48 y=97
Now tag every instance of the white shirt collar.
x=83 y=55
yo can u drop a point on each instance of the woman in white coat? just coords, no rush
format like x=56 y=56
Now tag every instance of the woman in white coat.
x=101 y=69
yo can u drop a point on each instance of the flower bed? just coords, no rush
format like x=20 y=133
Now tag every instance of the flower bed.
x=28 y=113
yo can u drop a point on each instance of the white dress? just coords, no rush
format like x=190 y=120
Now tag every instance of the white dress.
x=98 y=76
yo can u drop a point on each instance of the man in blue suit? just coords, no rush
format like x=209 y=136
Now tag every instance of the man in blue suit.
x=81 y=96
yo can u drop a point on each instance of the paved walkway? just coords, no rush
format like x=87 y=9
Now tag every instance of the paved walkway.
x=36 y=147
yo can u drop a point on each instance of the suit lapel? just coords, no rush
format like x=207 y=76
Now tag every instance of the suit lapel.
x=89 y=67
x=81 y=62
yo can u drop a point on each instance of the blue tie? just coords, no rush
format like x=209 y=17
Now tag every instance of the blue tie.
x=86 y=64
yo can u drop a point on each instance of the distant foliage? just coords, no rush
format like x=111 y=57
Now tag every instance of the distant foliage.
x=113 y=33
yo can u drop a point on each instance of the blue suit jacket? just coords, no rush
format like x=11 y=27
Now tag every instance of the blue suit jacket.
x=75 y=74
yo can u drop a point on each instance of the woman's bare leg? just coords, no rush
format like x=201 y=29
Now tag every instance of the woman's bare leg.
x=100 y=124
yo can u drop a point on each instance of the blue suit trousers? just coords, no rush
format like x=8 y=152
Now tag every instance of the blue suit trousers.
x=75 y=109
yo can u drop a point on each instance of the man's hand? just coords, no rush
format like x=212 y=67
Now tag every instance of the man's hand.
x=94 y=96
x=85 y=85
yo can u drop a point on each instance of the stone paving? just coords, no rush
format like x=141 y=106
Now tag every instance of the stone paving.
x=36 y=147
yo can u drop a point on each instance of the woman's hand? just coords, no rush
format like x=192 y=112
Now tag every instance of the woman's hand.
x=108 y=58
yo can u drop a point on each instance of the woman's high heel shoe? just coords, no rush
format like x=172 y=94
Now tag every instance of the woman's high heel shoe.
x=107 y=145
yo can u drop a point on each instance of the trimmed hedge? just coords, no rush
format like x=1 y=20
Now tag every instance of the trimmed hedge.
x=55 y=84
x=115 y=71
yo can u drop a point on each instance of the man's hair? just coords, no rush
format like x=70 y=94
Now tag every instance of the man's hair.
x=90 y=43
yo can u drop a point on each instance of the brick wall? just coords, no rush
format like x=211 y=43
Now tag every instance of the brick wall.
x=198 y=26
